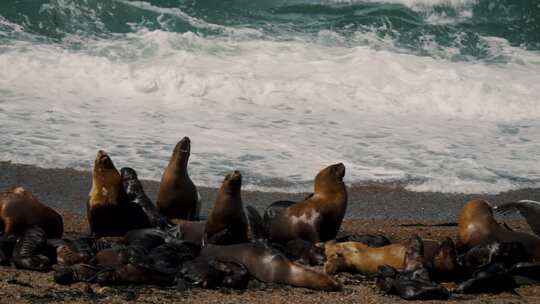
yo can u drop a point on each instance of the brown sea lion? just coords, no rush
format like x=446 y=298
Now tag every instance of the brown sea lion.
x=362 y=258
x=19 y=210
x=228 y=211
x=178 y=197
x=109 y=211
x=271 y=266
x=318 y=218
x=477 y=226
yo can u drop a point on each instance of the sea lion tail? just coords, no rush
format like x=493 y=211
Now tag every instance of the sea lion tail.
x=259 y=231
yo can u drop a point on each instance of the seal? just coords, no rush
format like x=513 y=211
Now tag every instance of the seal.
x=29 y=250
x=178 y=197
x=228 y=211
x=109 y=210
x=315 y=219
x=271 y=266
x=19 y=210
x=477 y=226
x=362 y=258
x=134 y=189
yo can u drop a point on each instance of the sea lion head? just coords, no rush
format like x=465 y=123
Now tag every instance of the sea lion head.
x=232 y=182
x=128 y=174
x=332 y=174
x=182 y=151
x=103 y=162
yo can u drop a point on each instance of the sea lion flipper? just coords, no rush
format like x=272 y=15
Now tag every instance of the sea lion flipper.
x=258 y=230
x=529 y=209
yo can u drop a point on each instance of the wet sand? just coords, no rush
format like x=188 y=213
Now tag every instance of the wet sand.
x=373 y=208
x=67 y=190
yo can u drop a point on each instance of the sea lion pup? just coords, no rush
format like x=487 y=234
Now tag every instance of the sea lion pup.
x=135 y=192
x=316 y=219
x=209 y=272
x=414 y=282
x=65 y=275
x=362 y=258
x=19 y=210
x=108 y=208
x=178 y=197
x=444 y=263
x=271 y=266
x=228 y=211
x=477 y=226
x=28 y=252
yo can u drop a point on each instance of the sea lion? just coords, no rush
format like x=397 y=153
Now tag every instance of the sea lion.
x=478 y=226
x=530 y=210
x=210 y=272
x=444 y=262
x=271 y=266
x=362 y=258
x=372 y=240
x=109 y=210
x=228 y=211
x=19 y=210
x=318 y=218
x=28 y=252
x=65 y=275
x=414 y=282
x=178 y=197
x=135 y=192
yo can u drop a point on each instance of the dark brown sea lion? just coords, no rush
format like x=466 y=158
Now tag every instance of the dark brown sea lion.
x=19 y=210
x=210 y=272
x=444 y=262
x=66 y=275
x=228 y=211
x=271 y=266
x=318 y=218
x=361 y=258
x=414 y=282
x=109 y=210
x=178 y=197
x=134 y=190
x=478 y=226
x=28 y=252
x=134 y=274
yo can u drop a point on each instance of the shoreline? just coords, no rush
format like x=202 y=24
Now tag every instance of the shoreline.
x=67 y=190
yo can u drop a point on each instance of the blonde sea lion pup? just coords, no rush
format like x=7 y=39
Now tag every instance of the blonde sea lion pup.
x=478 y=226
x=19 y=210
x=362 y=258
x=178 y=197
x=108 y=208
x=319 y=217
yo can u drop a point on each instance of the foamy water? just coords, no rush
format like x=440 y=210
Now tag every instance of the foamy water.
x=278 y=110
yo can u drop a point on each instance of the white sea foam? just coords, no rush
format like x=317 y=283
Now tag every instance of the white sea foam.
x=277 y=111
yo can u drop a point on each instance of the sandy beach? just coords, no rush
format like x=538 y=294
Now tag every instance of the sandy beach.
x=373 y=208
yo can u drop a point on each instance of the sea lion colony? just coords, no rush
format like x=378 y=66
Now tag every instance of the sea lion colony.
x=281 y=246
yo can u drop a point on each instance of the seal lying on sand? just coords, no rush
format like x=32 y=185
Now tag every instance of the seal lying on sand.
x=19 y=210
x=270 y=265
x=109 y=210
x=178 y=197
x=362 y=258
x=477 y=226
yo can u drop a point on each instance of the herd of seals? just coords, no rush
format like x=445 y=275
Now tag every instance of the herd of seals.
x=133 y=241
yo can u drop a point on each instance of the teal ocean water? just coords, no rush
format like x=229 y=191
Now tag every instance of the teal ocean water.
x=441 y=95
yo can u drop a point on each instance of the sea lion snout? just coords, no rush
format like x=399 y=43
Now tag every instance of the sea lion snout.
x=103 y=160
x=184 y=145
x=340 y=170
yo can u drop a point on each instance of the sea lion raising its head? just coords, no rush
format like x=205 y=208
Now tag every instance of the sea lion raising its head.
x=319 y=217
x=228 y=211
x=178 y=197
x=109 y=210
